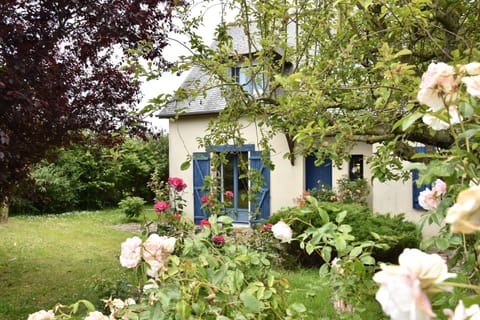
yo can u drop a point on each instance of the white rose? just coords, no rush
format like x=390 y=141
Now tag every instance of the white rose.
x=403 y=287
x=282 y=231
x=472 y=68
x=42 y=315
x=464 y=215
x=168 y=244
x=473 y=85
x=462 y=313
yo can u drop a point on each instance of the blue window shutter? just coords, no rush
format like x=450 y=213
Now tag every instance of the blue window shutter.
x=201 y=169
x=263 y=197
x=417 y=189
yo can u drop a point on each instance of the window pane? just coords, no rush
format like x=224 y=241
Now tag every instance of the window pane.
x=234 y=178
x=242 y=180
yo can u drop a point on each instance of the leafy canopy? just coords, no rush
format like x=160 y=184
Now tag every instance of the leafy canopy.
x=338 y=72
x=58 y=77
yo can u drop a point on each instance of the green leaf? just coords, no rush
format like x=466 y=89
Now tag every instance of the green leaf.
x=323 y=215
x=341 y=216
x=185 y=165
x=251 y=304
x=340 y=244
x=355 y=252
x=367 y=260
x=309 y=248
x=295 y=309
x=442 y=243
x=406 y=122
x=326 y=253
x=226 y=220
x=403 y=52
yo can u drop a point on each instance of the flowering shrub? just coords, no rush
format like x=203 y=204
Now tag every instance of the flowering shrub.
x=169 y=207
x=347 y=191
x=410 y=289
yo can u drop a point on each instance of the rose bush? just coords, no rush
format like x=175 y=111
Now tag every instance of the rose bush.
x=409 y=290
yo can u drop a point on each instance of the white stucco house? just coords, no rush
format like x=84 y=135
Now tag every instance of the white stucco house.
x=189 y=120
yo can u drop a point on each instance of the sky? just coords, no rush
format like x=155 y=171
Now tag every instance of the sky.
x=168 y=82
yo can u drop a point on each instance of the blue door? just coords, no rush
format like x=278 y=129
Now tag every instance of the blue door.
x=315 y=174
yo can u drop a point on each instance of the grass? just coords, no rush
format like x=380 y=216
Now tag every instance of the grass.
x=49 y=259
x=61 y=258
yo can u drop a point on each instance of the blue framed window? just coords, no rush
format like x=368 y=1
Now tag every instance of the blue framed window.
x=253 y=85
x=233 y=177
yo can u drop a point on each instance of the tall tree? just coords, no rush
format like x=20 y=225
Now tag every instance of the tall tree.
x=346 y=69
x=59 y=74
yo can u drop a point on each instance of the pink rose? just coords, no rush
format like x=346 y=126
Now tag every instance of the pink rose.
x=155 y=251
x=438 y=85
x=473 y=85
x=131 y=252
x=229 y=194
x=218 y=239
x=161 y=206
x=282 y=231
x=205 y=222
x=177 y=184
x=403 y=287
x=428 y=199
x=267 y=227
x=440 y=187
x=42 y=315
x=96 y=315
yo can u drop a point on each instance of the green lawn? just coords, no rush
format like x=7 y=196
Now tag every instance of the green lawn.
x=50 y=259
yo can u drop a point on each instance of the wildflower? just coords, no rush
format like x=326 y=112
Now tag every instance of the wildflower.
x=161 y=206
x=282 y=231
x=131 y=252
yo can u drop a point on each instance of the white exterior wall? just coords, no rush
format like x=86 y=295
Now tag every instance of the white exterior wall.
x=287 y=182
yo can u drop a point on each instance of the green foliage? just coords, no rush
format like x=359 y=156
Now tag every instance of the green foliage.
x=93 y=176
x=132 y=206
x=347 y=191
x=392 y=231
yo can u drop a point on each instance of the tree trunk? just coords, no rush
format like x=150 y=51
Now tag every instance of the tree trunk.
x=4 y=210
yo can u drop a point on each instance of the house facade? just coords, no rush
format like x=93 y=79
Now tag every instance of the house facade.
x=283 y=185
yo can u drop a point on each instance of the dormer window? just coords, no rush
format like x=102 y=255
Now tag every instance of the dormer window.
x=254 y=86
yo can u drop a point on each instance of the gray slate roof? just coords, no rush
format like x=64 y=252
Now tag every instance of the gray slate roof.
x=212 y=102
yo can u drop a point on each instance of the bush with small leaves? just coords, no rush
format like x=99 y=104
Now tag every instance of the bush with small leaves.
x=132 y=206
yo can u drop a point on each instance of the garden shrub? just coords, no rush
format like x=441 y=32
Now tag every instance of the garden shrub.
x=93 y=176
x=393 y=231
x=132 y=206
